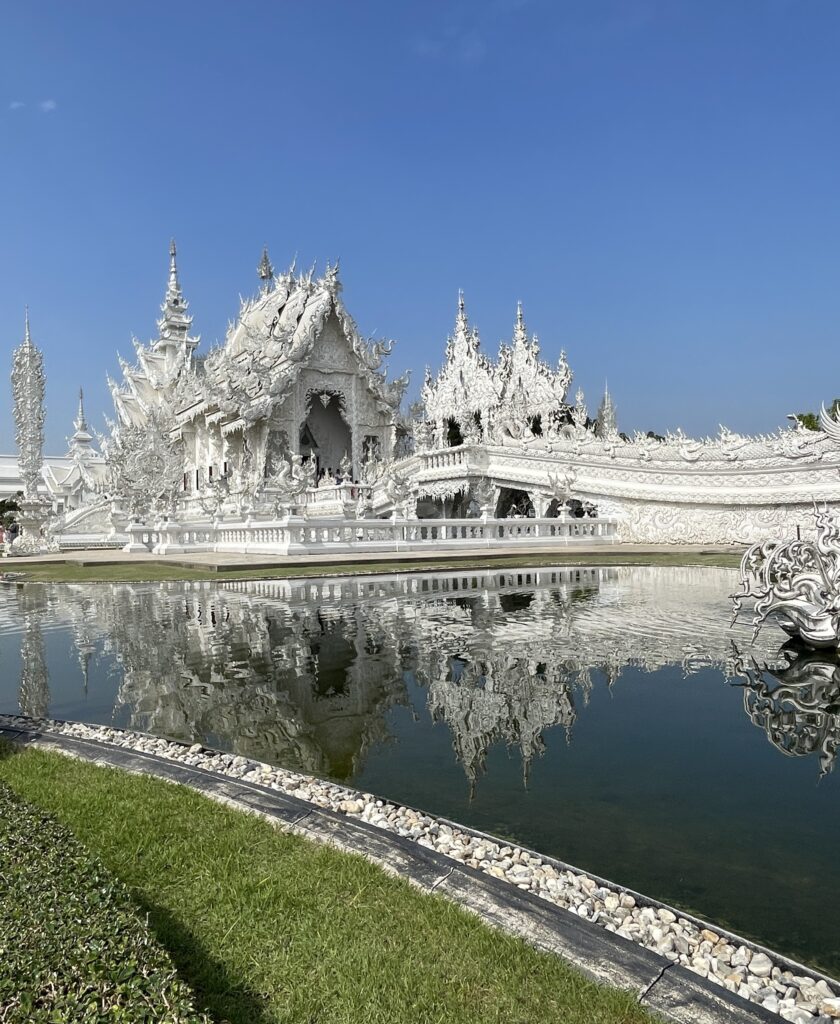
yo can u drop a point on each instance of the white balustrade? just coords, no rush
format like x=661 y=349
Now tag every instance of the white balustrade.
x=296 y=535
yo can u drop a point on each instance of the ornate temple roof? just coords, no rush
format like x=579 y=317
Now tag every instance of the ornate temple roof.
x=258 y=364
x=518 y=386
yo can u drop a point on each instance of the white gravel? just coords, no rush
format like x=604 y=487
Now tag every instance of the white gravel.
x=733 y=963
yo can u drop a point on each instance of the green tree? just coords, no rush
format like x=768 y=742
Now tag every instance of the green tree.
x=811 y=420
x=8 y=507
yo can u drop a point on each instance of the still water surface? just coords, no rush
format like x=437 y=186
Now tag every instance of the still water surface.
x=595 y=714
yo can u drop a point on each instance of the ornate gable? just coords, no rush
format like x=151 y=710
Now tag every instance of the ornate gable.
x=466 y=384
x=525 y=381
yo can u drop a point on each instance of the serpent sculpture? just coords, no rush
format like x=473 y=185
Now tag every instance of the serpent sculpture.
x=797 y=584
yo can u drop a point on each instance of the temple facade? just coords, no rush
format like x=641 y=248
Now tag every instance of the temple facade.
x=292 y=419
x=293 y=385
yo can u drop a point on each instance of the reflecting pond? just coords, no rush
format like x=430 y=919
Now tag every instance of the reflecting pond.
x=608 y=716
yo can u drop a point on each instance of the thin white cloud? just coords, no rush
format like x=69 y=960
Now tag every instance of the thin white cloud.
x=47 y=106
x=472 y=49
x=16 y=104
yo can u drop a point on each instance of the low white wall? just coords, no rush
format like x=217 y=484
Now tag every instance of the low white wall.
x=295 y=535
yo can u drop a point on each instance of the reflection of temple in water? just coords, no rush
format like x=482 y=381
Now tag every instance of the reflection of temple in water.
x=303 y=672
x=34 y=694
x=800 y=709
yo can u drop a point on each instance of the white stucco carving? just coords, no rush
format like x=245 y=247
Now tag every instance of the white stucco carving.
x=294 y=379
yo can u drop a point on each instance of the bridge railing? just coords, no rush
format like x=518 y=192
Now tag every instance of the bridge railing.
x=296 y=535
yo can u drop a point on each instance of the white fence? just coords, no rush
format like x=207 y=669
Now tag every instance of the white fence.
x=300 y=536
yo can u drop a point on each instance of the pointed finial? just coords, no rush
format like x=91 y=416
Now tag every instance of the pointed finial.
x=173 y=289
x=520 y=334
x=461 y=300
x=265 y=271
x=80 y=423
x=27 y=336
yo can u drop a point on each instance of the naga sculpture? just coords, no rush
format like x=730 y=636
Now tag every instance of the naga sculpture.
x=796 y=583
x=286 y=486
x=798 y=705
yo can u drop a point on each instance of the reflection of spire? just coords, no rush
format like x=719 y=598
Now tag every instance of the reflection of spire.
x=34 y=696
x=499 y=698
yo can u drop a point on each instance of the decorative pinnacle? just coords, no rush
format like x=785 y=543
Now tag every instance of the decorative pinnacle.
x=80 y=423
x=173 y=290
x=461 y=318
x=265 y=271
x=520 y=334
x=27 y=336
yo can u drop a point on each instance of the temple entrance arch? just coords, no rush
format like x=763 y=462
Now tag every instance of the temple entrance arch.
x=325 y=434
x=513 y=502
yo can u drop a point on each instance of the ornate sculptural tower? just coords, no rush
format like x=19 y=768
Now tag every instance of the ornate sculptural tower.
x=28 y=386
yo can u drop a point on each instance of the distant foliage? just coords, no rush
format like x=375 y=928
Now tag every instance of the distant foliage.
x=72 y=946
x=811 y=420
x=8 y=507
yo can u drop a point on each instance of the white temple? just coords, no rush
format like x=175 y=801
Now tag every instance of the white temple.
x=289 y=436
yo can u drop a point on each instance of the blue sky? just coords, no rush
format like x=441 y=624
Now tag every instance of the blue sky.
x=656 y=180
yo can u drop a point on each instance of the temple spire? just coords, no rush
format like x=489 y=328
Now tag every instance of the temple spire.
x=81 y=443
x=265 y=271
x=173 y=288
x=80 y=423
x=520 y=334
x=461 y=317
x=606 y=425
x=27 y=335
x=174 y=326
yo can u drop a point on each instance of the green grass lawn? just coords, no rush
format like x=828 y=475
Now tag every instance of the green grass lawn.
x=70 y=572
x=73 y=946
x=266 y=926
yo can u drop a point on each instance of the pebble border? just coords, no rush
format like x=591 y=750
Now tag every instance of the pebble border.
x=778 y=984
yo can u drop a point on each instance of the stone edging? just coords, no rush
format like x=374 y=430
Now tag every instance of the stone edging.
x=681 y=966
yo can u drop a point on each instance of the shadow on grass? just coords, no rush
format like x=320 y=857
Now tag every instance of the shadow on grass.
x=8 y=749
x=216 y=991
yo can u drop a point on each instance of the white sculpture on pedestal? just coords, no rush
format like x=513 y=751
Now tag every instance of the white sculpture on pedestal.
x=797 y=584
x=28 y=387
